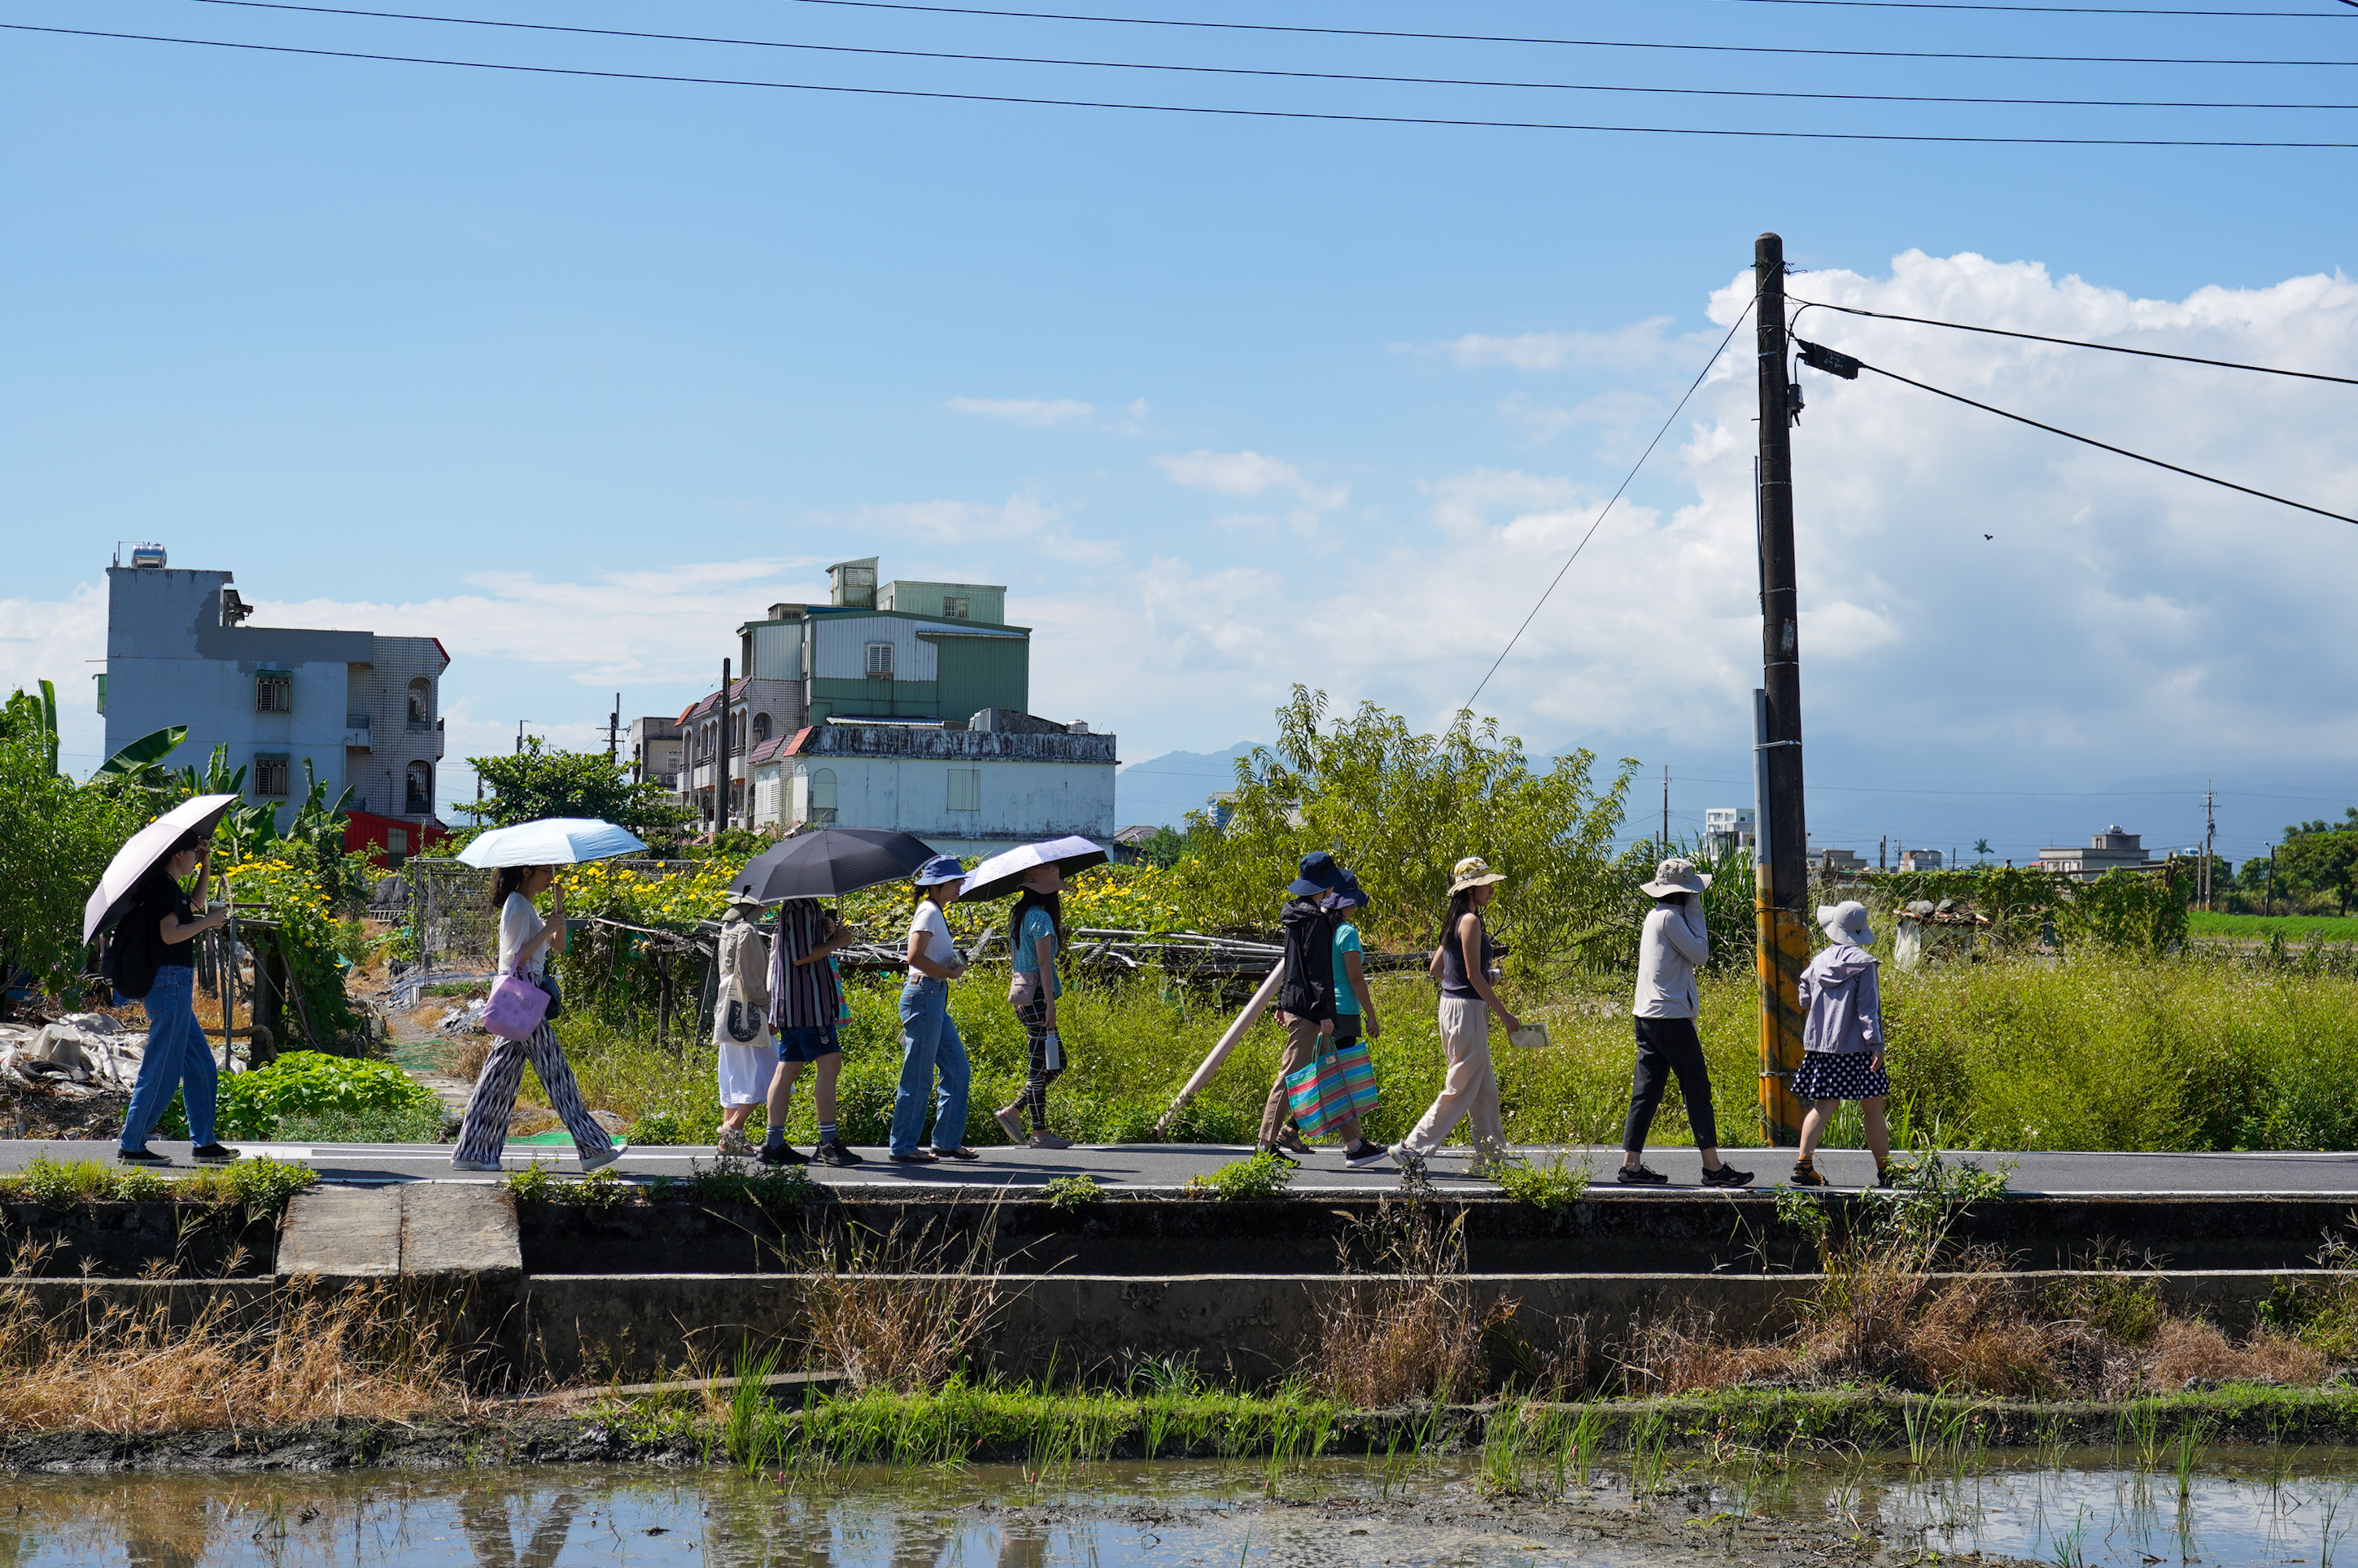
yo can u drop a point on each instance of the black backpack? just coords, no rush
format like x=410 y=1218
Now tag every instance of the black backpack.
x=134 y=945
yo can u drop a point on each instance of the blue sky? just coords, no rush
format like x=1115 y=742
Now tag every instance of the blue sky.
x=576 y=374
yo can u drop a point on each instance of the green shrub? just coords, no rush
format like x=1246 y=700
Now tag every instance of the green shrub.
x=1072 y=1192
x=261 y=1185
x=1262 y=1176
x=304 y=1086
x=661 y=1128
x=1552 y=1186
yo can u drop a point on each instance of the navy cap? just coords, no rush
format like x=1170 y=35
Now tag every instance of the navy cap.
x=939 y=870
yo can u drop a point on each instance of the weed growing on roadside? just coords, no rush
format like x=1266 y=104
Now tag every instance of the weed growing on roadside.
x=1072 y=1192
x=261 y=1186
x=1262 y=1176
x=1553 y=1186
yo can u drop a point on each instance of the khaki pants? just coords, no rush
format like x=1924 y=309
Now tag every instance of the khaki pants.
x=1470 y=1090
x=1300 y=1050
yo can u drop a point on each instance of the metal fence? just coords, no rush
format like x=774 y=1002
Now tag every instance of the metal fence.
x=452 y=924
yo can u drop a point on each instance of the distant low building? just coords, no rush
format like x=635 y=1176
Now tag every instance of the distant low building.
x=1002 y=778
x=1840 y=863
x=1727 y=827
x=659 y=751
x=2114 y=849
x=1129 y=842
x=1919 y=859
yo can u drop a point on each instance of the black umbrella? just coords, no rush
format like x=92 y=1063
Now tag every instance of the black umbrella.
x=829 y=861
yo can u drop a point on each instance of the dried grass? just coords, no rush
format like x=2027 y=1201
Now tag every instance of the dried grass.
x=1412 y=1330
x=294 y=1356
x=2188 y=1347
x=901 y=1311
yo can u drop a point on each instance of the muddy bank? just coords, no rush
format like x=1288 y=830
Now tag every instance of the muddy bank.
x=343 y=1445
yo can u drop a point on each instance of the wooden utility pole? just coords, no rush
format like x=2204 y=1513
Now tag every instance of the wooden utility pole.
x=721 y=761
x=1783 y=879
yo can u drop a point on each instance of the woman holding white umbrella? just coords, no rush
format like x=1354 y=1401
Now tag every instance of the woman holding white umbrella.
x=1036 y=934
x=525 y=940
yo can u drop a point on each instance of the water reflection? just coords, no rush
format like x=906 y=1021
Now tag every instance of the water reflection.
x=2080 y=1508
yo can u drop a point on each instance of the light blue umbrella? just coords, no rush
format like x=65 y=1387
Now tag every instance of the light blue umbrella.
x=551 y=842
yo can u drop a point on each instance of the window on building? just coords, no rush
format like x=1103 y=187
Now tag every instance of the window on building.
x=956 y=607
x=966 y=789
x=761 y=727
x=397 y=843
x=421 y=704
x=880 y=658
x=419 y=790
x=822 y=796
x=273 y=692
x=271 y=772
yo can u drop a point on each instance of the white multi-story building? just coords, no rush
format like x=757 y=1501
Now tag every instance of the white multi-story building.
x=361 y=710
x=1726 y=827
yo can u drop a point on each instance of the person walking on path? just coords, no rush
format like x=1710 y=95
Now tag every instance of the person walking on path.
x=1036 y=930
x=525 y=940
x=805 y=1004
x=1463 y=960
x=929 y=1036
x=1671 y=945
x=1354 y=1006
x=741 y=1023
x=177 y=1055
x=1307 y=1006
x=1841 y=1040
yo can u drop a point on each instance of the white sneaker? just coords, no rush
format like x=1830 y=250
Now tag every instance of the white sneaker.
x=600 y=1162
x=477 y=1165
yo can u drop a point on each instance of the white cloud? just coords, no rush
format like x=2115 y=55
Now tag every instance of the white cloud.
x=1251 y=474
x=1039 y=413
x=57 y=641
x=1630 y=347
x=1019 y=520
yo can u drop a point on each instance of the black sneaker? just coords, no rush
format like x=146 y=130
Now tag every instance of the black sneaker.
x=838 y=1153
x=214 y=1153
x=1281 y=1156
x=1728 y=1176
x=1366 y=1154
x=1641 y=1176
x=139 y=1157
x=783 y=1154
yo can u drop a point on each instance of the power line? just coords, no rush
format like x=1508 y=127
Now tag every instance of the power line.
x=1300 y=115
x=2075 y=342
x=1261 y=72
x=2092 y=441
x=1626 y=480
x=1567 y=43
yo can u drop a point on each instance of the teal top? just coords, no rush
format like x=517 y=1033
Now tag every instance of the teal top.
x=1037 y=924
x=843 y=1002
x=1347 y=940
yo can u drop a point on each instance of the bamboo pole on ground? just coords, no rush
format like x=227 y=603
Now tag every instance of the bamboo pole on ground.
x=1227 y=1042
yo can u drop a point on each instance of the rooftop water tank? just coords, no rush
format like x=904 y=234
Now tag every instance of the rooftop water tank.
x=148 y=556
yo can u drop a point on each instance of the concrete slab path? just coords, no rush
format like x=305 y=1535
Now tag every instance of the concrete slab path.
x=1168 y=1166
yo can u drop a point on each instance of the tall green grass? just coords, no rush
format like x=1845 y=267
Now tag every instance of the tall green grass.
x=2091 y=1054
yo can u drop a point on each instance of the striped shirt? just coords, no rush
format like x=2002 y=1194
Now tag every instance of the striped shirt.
x=801 y=996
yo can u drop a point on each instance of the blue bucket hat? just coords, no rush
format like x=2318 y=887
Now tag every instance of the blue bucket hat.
x=939 y=870
x=1317 y=873
x=1349 y=896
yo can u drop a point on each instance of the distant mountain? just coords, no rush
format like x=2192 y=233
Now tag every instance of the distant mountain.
x=1162 y=790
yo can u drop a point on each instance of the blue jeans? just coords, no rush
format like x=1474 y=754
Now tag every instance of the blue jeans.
x=929 y=1043
x=178 y=1052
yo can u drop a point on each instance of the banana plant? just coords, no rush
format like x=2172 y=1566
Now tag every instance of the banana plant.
x=141 y=764
x=34 y=715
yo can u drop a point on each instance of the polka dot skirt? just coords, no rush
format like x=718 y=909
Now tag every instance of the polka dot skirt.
x=1823 y=1075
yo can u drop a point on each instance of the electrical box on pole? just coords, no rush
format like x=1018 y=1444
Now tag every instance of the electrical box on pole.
x=1782 y=872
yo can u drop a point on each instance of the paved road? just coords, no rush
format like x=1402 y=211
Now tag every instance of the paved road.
x=1167 y=1166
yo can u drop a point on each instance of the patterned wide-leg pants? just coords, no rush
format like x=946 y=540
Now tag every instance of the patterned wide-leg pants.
x=485 y=1128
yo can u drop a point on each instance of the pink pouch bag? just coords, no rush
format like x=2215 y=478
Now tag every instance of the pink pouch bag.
x=514 y=1007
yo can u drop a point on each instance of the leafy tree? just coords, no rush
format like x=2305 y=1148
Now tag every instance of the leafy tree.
x=33 y=716
x=56 y=838
x=2321 y=857
x=1166 y=847
x=536 y=783
x=1401 y=808
x=1981 y=848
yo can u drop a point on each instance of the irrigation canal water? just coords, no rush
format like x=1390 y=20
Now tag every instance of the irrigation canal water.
x=1168 y=1166
x=2074 y=1509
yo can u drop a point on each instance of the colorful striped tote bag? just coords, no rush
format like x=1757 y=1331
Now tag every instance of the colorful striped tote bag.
x=1340 y=1085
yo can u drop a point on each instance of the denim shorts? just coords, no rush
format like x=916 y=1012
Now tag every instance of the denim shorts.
x=808 y=1043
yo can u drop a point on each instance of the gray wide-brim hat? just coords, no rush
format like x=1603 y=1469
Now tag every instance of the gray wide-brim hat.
x=1675 y=875
x=1845 y=921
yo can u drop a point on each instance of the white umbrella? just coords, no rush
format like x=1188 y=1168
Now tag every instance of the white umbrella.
x=551 y=842
x=110 y=899
x=1002 y=875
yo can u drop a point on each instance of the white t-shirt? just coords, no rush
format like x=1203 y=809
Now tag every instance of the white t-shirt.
x=519 y=923
x=935 y=928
